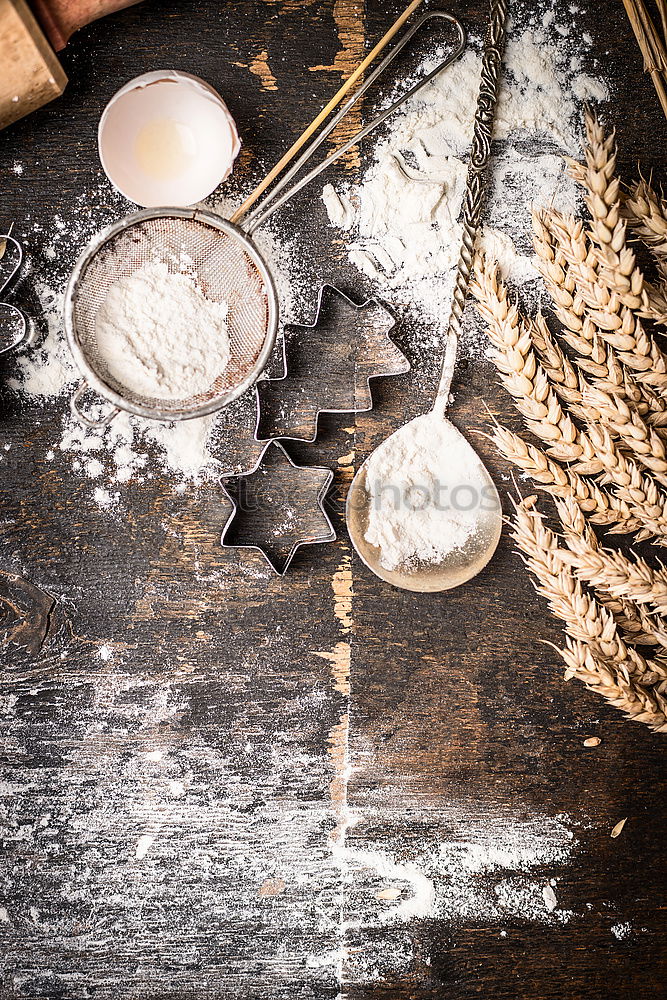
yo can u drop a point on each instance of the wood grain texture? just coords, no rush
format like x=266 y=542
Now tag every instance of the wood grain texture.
x=217 y=783
x=31 y=73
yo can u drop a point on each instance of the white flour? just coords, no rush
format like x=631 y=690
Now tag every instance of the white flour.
x=403 y=215
x=426 y=487
x=421 y=154
x=160 y=336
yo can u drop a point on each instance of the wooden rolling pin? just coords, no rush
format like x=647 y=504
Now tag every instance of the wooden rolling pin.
x=29 y=39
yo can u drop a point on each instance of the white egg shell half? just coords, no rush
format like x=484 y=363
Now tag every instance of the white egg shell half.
x=203 y=120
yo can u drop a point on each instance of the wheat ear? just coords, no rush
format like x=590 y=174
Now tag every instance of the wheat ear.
x=645 y=211
x=637 y=703
x=524 y=377
x=589 y=452
x=622 y=420
x=616 y=323
x=619 y=269
x=597 y=359
x=633 y=580
x=595 y=652
x=634 y=623
x=601 y=507
x=566 y=382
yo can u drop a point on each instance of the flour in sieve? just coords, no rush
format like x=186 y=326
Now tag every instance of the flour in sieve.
x=160 y=336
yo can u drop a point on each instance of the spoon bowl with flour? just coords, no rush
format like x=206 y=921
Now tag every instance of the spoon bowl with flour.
x=422 y=511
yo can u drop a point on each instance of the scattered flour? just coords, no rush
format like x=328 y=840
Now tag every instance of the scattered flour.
x=621 y=931
x=426 y=488
x=160 y=336
x=403 y=215
x=412 y=185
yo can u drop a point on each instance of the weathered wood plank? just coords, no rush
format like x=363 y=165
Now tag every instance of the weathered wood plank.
x=219 y=783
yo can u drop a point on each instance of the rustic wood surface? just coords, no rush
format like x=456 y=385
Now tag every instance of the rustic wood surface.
x=290 y=755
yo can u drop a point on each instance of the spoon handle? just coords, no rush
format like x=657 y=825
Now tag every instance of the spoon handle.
x=480 y=154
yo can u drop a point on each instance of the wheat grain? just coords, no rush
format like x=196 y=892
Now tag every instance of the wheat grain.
x=633 y=580
x=557 y=366
x=594 y=652
x=635 y=624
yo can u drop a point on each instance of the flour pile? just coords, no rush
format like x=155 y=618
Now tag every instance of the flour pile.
x=160 y=336
x=402 y=218
x=427 y=488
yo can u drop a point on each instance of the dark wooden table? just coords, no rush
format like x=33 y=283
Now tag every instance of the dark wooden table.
x=301 y=750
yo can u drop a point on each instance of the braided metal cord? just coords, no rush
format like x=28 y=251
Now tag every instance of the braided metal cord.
x=480 y=155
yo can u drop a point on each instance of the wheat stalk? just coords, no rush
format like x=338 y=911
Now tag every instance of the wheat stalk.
x=633 y=580
x=618 y=266
x=650 y=42
x=595 y=652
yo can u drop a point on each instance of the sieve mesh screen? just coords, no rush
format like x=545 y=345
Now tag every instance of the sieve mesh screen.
x=227 y=268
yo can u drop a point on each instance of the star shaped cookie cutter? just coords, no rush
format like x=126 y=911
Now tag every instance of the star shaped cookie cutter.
x=276 y=482
x=335 y=356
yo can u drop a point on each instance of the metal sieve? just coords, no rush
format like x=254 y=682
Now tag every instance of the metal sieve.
x=225 y=262
x=228 y=269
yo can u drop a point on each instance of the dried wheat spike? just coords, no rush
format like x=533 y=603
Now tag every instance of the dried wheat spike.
x=641 y=440
x=616 y=323
x=597 y=359
x=595 y=652
x=633 y=580
x=637 y=703
x=558 y=368
x=589 y=452
x=645 y=211
x=619 y=266
x=524 y=378
x=601 y=508
x=634 y=623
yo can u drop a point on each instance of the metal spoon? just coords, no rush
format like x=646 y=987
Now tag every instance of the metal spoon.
x=461 y=564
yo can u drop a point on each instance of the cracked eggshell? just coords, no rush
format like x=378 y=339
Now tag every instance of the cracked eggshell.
x=207 y=139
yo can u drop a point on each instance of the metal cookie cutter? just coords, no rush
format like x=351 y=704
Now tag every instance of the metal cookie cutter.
x=277 y=507
x=16 y=330
x=328 y=366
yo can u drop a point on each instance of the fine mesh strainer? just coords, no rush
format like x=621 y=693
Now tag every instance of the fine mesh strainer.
x=222 y=258
x=228 y=268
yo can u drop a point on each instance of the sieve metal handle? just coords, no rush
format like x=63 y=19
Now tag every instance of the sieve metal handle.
x=275 y=200
x=77 y=412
